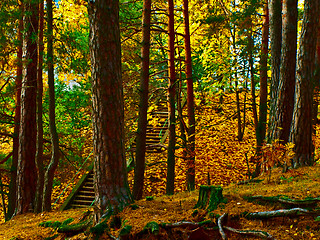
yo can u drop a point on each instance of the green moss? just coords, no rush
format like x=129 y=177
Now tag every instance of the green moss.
x=210 y=197
x=149 y=198
x=67 y=221
x=55 y=224
x=99 y=228
x=78 y=227
x=45 y=224
x=134 y=206
x=125 y=230
x=152 y=227
x=206 y=222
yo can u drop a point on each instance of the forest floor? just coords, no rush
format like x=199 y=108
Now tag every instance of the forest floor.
x=221 y=159
x=297 y=184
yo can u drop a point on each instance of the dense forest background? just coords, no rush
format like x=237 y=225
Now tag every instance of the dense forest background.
x=181 y=56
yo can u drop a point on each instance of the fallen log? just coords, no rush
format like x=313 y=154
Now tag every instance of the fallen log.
x=307 y=202
x=277 y=213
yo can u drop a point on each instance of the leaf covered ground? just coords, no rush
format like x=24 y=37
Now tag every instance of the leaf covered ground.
x=226 y=161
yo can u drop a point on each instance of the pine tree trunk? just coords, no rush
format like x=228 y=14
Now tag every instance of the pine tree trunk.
x=49 y=175
x=26 y=172
x=39 y=152
x=301 y=129
x=263 y=107
x=171 y=104
x=143 y=106
x=18 y=84
x=190 y=103
x=110 y=178
x=253 y=82
x=275 y=26
x=316 y=96
x=280 y=128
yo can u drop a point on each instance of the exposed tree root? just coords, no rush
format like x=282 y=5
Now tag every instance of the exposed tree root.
x=185 y=224
x=255 y=233
x=220 y=220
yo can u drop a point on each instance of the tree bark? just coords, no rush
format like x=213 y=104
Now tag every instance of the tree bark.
x=190 y=102
x=253 y=82
x=301 y=128
x=49 y=175
x=280 y=128
x=275 y=27
x=316 y=91
x=18 y=84
x=110 y=180
x=171 y=104
x=26 y=172
x=263 y=107
x=39 y=151
x=143 y=105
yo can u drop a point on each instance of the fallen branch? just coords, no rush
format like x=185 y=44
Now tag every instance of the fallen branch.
x=255 y=233
x=185 y=224
x=220 y=219
x=308 y=202
x=277 y=213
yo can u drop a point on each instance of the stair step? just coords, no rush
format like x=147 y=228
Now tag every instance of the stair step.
x=78 y=206
x=87 y=188
x=80 y=201
x=84 y=192
x=154 y=137
x=152 y=142
x=86 y=196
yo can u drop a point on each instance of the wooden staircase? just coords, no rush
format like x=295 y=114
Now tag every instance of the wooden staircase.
x=156 y=135
x=82 y=195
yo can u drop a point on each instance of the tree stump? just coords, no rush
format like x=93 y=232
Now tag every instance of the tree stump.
x=210 y=197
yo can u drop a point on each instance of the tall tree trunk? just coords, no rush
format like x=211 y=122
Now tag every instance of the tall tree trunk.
x=18 y=84
x=171 y=98
x=110 y=177
x=26 y=172
x=143 y=106
x=280 y=128
x=39 y=152
x=49 y=175
x=301 y=129
x=253 y=82
x=190 y=102
x=263 y=107
x=275 y=17
x=316 y=91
